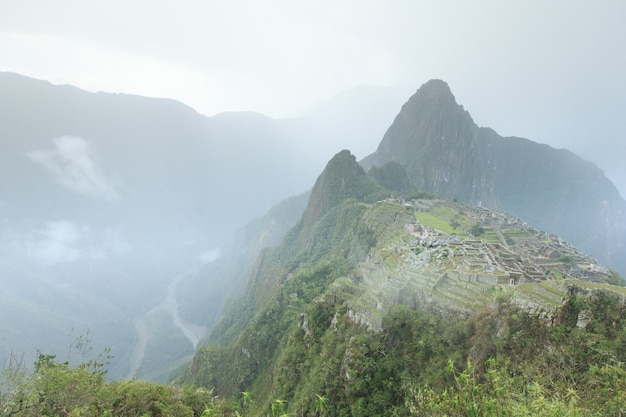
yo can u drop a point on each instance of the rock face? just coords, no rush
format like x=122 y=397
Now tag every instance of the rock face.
x=445 y=153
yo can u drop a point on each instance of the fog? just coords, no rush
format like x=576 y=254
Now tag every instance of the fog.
x=72 y=163
x=552 y=72
x=107 y=196
x=110 y=200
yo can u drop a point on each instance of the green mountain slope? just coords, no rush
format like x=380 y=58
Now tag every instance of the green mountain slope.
x=369 y=296
x=207 y=290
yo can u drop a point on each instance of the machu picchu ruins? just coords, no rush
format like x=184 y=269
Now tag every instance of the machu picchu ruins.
x=448 y=256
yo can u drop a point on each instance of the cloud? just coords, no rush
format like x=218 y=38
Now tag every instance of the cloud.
x=64 y=241
x=114 y=242
x=74 y=164
x=209 y=256
x=61 y=242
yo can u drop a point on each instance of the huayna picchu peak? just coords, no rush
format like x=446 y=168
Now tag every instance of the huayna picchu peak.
x=445 y=153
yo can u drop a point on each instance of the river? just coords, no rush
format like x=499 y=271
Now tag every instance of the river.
x=169 y=304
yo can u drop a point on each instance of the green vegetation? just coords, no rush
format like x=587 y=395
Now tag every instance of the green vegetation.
x=557 y=275
x=391 y=176
x=476 y=230
x=450 y=222
x=430 y=220
x=502 y=362
x=516 y=233
x=303 y=342
x=445 y=220
x=53 y=388
x=421 y=364
x=417 y=195
x=598 y=286
x=616 y=279
x=170 y=344
x=489 y=236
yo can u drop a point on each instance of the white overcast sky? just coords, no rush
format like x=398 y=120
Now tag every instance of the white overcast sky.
x=553 y=71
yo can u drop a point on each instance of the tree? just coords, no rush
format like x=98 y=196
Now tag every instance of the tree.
x=476 y=230
x=279 y=408
x=321 y=404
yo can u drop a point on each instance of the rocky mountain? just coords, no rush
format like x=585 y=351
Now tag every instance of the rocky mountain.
x=343 y=178
x=443 y=152
x=333 y=289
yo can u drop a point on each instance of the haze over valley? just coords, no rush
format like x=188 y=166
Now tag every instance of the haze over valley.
x=112 y=196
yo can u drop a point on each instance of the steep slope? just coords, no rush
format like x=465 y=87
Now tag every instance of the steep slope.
x=206 y=291
x=322 y=246
x=343 y=178
x=445 y=153
x=331 y=210
x=337 y=280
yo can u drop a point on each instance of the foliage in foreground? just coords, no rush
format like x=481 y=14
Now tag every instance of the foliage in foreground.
x=504 y=362
x=59 y=389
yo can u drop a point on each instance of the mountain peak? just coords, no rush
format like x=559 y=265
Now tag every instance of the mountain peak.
x=342 y=178
x=434 y=94
x=430 y=123
x=333 y=184
x=434 y=89
x=443 y=152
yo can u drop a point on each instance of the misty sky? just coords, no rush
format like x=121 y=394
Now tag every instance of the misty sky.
x=551 y=71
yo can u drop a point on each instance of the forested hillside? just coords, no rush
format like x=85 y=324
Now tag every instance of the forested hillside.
x=304 y=339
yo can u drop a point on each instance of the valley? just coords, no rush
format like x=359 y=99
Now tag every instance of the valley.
x=147 y=324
